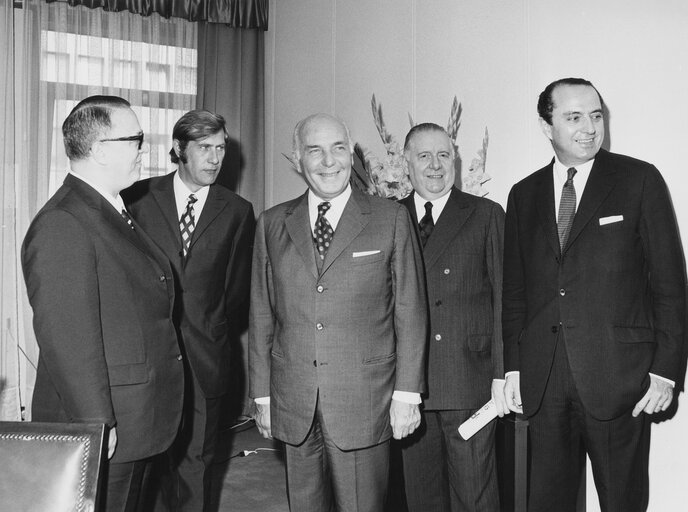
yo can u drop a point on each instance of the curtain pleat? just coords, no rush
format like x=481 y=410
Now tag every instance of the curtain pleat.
x=235 y=13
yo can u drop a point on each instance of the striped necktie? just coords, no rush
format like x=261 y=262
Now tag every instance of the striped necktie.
x=567 y=208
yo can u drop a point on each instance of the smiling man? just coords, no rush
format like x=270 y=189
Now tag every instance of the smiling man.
x=593 y=307
x=207 y=232
x=461 y=236
x=337 y=328
x=102 y=296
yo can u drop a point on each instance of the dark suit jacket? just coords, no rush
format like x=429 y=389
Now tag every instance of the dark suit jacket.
x=463 y=270
x=213 y=281
x=347 y=337
x=618 y=289
x=102 y=297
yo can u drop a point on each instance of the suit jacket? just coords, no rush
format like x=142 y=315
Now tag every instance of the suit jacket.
x=617 y=290
x=347 y=337
x=212 y=281
x=102 y=296
x=463 y=270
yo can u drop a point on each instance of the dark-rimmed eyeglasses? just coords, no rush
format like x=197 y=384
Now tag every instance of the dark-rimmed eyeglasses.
x=131 y=138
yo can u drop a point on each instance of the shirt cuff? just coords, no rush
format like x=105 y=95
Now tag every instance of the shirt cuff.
x=668 y=381
x=406 y=397
x=263 y=400
x=514 y=372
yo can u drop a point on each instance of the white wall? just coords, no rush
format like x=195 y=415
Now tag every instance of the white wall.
x=495 y=56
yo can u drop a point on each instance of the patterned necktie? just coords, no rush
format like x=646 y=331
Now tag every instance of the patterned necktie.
x=567 y=208
x=426 y=224
x=125 y=215
x=323 y=231
x=187 y=224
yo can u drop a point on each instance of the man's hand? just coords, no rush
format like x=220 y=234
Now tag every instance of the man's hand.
x=112 y=442
x=262 y=418
x=512 y=392
x=499 y=398
x=657 y=398
x=405 y=418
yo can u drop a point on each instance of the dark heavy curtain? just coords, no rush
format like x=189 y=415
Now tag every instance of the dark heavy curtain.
x=230 y=82
x=235 y=13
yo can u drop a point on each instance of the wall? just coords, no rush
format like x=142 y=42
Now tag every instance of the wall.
x=495 y=56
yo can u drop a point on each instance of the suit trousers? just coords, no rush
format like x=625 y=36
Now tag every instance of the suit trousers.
x=323 y=478
x=445 y=473
x=560 y=433
x=186 y=481
x=126 y=486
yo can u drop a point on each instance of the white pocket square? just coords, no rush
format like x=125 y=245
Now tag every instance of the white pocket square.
x=364 y=253
x=610 y=220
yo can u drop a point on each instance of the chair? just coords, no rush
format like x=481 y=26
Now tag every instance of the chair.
x=50 y=467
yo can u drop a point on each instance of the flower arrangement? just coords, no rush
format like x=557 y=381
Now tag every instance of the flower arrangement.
x=389 y=177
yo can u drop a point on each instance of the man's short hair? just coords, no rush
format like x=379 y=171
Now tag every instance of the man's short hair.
x=87 y=122
x=545 y=104
x=296 y=139
x=195 y=125
x=425 y=127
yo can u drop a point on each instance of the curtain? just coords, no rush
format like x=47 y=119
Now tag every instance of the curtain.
x=55 y=55
x=235 y=13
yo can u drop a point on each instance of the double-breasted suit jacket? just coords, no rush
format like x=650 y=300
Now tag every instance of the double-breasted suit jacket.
x=213 y=280
x=347 y=336
x=102 y=296
x=463 y=271
x=617 y=289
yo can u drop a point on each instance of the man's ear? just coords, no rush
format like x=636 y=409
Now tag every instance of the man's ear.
x=98 y=153
x=546 y=128
x=176 y=147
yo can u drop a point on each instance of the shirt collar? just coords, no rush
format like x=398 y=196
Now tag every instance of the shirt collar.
x=337 y=205
x=182 y=192
x=437 y=205
x=116 y=201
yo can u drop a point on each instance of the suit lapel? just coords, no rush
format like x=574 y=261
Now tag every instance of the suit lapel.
x=454 y=215
x=600 y=183
x=545 y=207
x=298 y=226
x=354 y=219
x=212 y=208
x=163 y=193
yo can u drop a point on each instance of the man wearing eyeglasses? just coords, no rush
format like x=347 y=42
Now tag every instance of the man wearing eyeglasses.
x=102 y=295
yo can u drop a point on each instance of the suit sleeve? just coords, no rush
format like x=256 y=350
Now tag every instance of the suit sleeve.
x=493 y=257
x=261 y=318
x=237 y=279
x=61 y=274
x=666 y=268
x=513 y=292
x=410 y=306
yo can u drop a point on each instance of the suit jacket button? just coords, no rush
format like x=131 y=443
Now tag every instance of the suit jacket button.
x=179 y=357
x=320 y=288
x=555 y=329
x=446 y=271
x=438 y=337
x=162 y=278
x=438 y=303
x=319 y=326
x=562 y=292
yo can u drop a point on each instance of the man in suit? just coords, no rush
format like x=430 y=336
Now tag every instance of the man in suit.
x=102 y=296
x=461 y=235
x=593 y=307
x=206 y=231
x=337 y=328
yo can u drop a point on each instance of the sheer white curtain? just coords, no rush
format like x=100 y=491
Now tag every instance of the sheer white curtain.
x=55 y=55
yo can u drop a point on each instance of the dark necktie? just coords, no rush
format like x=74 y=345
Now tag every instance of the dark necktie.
x=187 y=224
x=567 y=208
x=125 y=215
x=426 y=224
x=323 y=232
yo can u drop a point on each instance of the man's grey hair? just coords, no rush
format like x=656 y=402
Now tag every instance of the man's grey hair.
x=296 y=139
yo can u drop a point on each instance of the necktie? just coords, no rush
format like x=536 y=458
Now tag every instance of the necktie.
x=567 y=208
x=323 y=231
x=426 y=224
x=187 y=223
x=125 y=215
